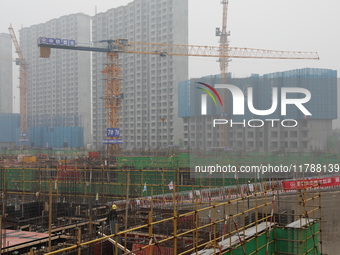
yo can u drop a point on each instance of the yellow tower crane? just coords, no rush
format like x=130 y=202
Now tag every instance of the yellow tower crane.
x=224 y=61
x=112 y=71
x=23 y=87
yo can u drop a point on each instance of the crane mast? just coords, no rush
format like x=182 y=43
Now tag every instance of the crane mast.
x=113 y=79
x=23 y=86
x=224 y=60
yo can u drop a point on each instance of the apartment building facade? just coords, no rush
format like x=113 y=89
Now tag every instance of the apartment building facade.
x=6 y=84
x=305 y=133
x=59 y=87
x=149 y=115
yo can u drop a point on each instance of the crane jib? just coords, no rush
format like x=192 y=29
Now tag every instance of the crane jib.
x=76 y=48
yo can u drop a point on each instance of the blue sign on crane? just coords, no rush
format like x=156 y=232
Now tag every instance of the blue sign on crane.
x=113 y=141
x=112 y=132
x=57 y=41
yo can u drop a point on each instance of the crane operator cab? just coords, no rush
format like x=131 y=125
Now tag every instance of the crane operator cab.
x=120 y=43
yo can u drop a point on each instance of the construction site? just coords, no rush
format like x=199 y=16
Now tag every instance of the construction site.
x=52 y=206
x=59 y=197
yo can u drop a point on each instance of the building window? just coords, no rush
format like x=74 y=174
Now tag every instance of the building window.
x=293 y=144
x=274 y=134
x=293 y=133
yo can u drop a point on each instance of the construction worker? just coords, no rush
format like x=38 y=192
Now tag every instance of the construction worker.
x=112 y=216
x=112 y=221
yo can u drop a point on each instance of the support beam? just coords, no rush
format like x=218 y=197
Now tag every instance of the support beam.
x=117 y=244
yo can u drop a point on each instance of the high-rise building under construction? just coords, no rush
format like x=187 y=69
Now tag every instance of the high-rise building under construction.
x=148 y=118
x=59 y=87
x=6 y=91
x=305 y=133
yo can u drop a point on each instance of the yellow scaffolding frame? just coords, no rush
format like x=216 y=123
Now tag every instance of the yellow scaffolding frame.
x=234 y=209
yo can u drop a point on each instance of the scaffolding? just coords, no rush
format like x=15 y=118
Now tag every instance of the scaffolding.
x=158 y=213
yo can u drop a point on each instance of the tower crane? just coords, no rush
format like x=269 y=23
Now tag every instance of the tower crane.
x=224 y=61
x=113 y=96
x=23 y=86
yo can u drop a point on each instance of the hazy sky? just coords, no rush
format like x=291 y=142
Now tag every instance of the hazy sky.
x=301 y=25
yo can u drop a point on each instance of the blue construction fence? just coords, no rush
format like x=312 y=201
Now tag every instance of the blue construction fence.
x=55 y=137
x=9 y=127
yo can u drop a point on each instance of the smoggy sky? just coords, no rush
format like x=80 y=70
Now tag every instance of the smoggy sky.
x=301 y=25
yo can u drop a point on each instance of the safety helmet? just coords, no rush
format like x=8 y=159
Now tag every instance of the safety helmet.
x=114 y=207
